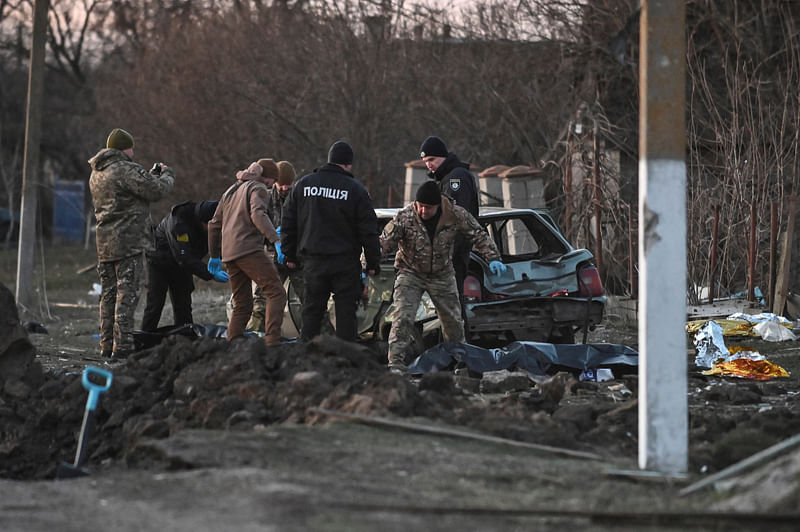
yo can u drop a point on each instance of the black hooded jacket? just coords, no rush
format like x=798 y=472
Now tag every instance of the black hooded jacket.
x=329 y=213
x=457 y=183
x=181 y=239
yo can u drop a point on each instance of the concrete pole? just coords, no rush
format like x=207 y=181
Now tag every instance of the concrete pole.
x=663 y=404
x=30 y=172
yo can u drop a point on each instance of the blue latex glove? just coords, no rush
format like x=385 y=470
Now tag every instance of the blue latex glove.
x=278 y=229
x=279 y=254
x=214 y=265
x=497 y=267
x=221 y=276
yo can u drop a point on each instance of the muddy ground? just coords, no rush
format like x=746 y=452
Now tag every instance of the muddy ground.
x=201 y=434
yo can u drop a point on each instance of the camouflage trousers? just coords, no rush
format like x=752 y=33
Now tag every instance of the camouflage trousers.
x=256 y=323
x=408 y=289
x=121 y=283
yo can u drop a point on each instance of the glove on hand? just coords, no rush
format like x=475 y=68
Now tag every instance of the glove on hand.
x=279 y=254
x=221 y=276
x=497 y=267
x=278 y=229
x=214 y=265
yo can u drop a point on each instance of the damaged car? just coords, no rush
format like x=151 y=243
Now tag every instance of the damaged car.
x=549 y=292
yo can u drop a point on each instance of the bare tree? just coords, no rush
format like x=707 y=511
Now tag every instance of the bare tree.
x=743 y=65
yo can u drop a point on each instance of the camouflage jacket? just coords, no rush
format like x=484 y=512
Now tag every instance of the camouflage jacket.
x=122 y=192
x=275 y=205
x=275 y=211
x=416 y=251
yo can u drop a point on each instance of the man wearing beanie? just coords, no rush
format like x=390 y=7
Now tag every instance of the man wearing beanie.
x=181 y=242
x=424 y=233
x=278 y=193
x=269 y=175
x=236 y=235
x=457 y=183
x=121 y=194
x=327 y=220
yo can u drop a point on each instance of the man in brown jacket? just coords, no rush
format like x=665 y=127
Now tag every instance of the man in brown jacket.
x=236 y=236
x=424 y=232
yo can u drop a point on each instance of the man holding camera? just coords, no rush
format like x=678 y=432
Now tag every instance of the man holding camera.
x=121 y=193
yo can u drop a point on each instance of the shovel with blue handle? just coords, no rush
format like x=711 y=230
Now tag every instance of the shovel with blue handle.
x=66 y=470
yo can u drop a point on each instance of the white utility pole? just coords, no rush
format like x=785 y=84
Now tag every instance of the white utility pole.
x=663 y=402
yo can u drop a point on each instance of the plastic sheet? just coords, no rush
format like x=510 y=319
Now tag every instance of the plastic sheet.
x=710 y=344
x=741 y=324
x=772 y=331
x=537 y=358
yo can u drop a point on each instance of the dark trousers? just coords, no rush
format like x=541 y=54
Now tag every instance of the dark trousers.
x=163 y=278
x=323 y=276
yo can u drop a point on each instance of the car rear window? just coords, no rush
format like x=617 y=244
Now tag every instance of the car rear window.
x=524 y=238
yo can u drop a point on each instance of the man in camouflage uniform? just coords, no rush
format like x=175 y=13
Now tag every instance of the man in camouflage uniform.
x=122 y=192
x=424 y=233
x=275 y=200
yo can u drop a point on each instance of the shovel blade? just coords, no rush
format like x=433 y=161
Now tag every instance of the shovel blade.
x=66 y=470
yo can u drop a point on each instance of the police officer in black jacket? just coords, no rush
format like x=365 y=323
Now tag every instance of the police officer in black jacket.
x=328 y=219
x=457 y=183
x=181 y=241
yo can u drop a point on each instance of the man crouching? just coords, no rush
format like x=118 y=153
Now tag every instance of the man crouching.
x=424 y=233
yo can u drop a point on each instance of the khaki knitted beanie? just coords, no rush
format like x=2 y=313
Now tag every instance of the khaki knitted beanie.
x=270 y=168
x=119 y=139
x=286 y=173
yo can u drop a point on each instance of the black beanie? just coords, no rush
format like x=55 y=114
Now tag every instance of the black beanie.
x=205 y=210
x=428 y=193
x=340 y=153
x=433 y=146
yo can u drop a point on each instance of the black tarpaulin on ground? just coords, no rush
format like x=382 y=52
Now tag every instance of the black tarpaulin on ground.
x=535 y=357
x=144 y=339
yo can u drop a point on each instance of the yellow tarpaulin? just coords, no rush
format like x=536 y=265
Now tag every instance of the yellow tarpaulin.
x=759 y=370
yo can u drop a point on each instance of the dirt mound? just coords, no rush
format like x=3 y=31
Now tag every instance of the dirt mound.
x=213 y=384
x=243 y=385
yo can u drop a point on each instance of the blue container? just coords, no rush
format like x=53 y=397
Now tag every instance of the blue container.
x=68 y=210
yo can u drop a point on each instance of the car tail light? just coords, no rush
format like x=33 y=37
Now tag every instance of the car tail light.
x=590 y=283
x=557 y=293
x=472 y=289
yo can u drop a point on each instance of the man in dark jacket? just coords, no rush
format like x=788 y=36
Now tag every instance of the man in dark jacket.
x=457 y=183
x=328 y=219
x=181 y=242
